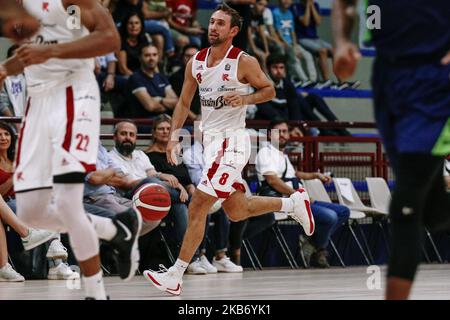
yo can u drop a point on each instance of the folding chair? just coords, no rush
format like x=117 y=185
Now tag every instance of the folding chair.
x=279 y=237
x=380 y=198
x=348 y=196
x=317 y=191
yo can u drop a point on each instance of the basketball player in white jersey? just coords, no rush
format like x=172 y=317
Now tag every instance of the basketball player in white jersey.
x=224 y=75
x=59 y=136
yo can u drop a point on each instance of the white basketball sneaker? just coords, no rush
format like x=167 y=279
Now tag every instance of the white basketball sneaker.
x=62 y=272
x=56 y=250
x=168 y=280
x=302 y=211
x=36 y=237
x=8 y=274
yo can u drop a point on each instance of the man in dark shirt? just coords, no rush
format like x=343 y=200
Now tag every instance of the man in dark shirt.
x=411 y=91
x=150 y=92
x=287 y=104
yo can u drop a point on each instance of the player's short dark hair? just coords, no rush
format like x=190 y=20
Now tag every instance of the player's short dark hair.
x=275 y=58
x=236 y=19
x=11 y=50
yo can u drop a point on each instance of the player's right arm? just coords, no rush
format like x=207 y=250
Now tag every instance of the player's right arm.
x=181 y=112
x=346 y=54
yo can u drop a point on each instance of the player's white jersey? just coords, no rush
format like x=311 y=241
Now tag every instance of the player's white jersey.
x=214 y=83
x=57 y=26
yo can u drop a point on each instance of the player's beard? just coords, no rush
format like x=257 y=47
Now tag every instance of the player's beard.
x=125 y=148
x=216 y=41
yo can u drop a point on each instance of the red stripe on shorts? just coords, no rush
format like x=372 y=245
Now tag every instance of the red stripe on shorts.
x=70 y=116
x=212 y=171
x=19 y=144
x=222 y=194
x=239 y=186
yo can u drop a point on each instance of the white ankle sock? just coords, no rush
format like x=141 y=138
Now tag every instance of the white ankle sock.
x=94 y=287
x=181 y=266
x=104 y=227
x=287 y=205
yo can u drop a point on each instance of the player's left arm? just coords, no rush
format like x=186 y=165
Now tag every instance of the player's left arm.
x=250 y=72
x=103 y=37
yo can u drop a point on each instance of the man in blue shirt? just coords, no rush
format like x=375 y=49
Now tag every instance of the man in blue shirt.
x=150 y=91
x=411 y=89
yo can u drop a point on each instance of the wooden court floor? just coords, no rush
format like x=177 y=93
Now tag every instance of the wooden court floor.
x=433 y=282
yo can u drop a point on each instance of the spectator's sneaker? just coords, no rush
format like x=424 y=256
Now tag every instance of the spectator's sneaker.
x=307 y=84
x=323 y=85
x=62 y=272
x=196 y=268
x=307 y=248
x=36 y=237
x=354 y=84
x=207 y=265
x=168 y=280
x=302 y=211
x=56 y=250
x=8 y=274
x=125 y=242
x=319 y=259
x=225 y=265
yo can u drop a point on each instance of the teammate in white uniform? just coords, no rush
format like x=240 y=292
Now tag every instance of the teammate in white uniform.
x=59 y=136
x=224 y=75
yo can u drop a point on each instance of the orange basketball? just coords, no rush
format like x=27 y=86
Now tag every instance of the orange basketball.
x=153 y=201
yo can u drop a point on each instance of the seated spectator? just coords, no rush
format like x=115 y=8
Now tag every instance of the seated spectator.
x=150 y=92
x=284 y=25
x=100 y=188
x=256 y=36
x=278 y=177
x=177 y=79
x=133 y=39
x=276 y=45
x=160 y=33
x=194 y=162
x=288 y=104
x=56 y=252
x=13 y=93
x=107 y=78
x=183 y=22
x=307 y=18
x=136 y=166
x=31 y=238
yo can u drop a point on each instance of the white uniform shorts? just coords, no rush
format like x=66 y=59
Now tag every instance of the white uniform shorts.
x=59 y=133
x=225 y=158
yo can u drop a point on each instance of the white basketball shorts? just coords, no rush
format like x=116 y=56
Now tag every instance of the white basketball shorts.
x=59 y=133
x=225 y=158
